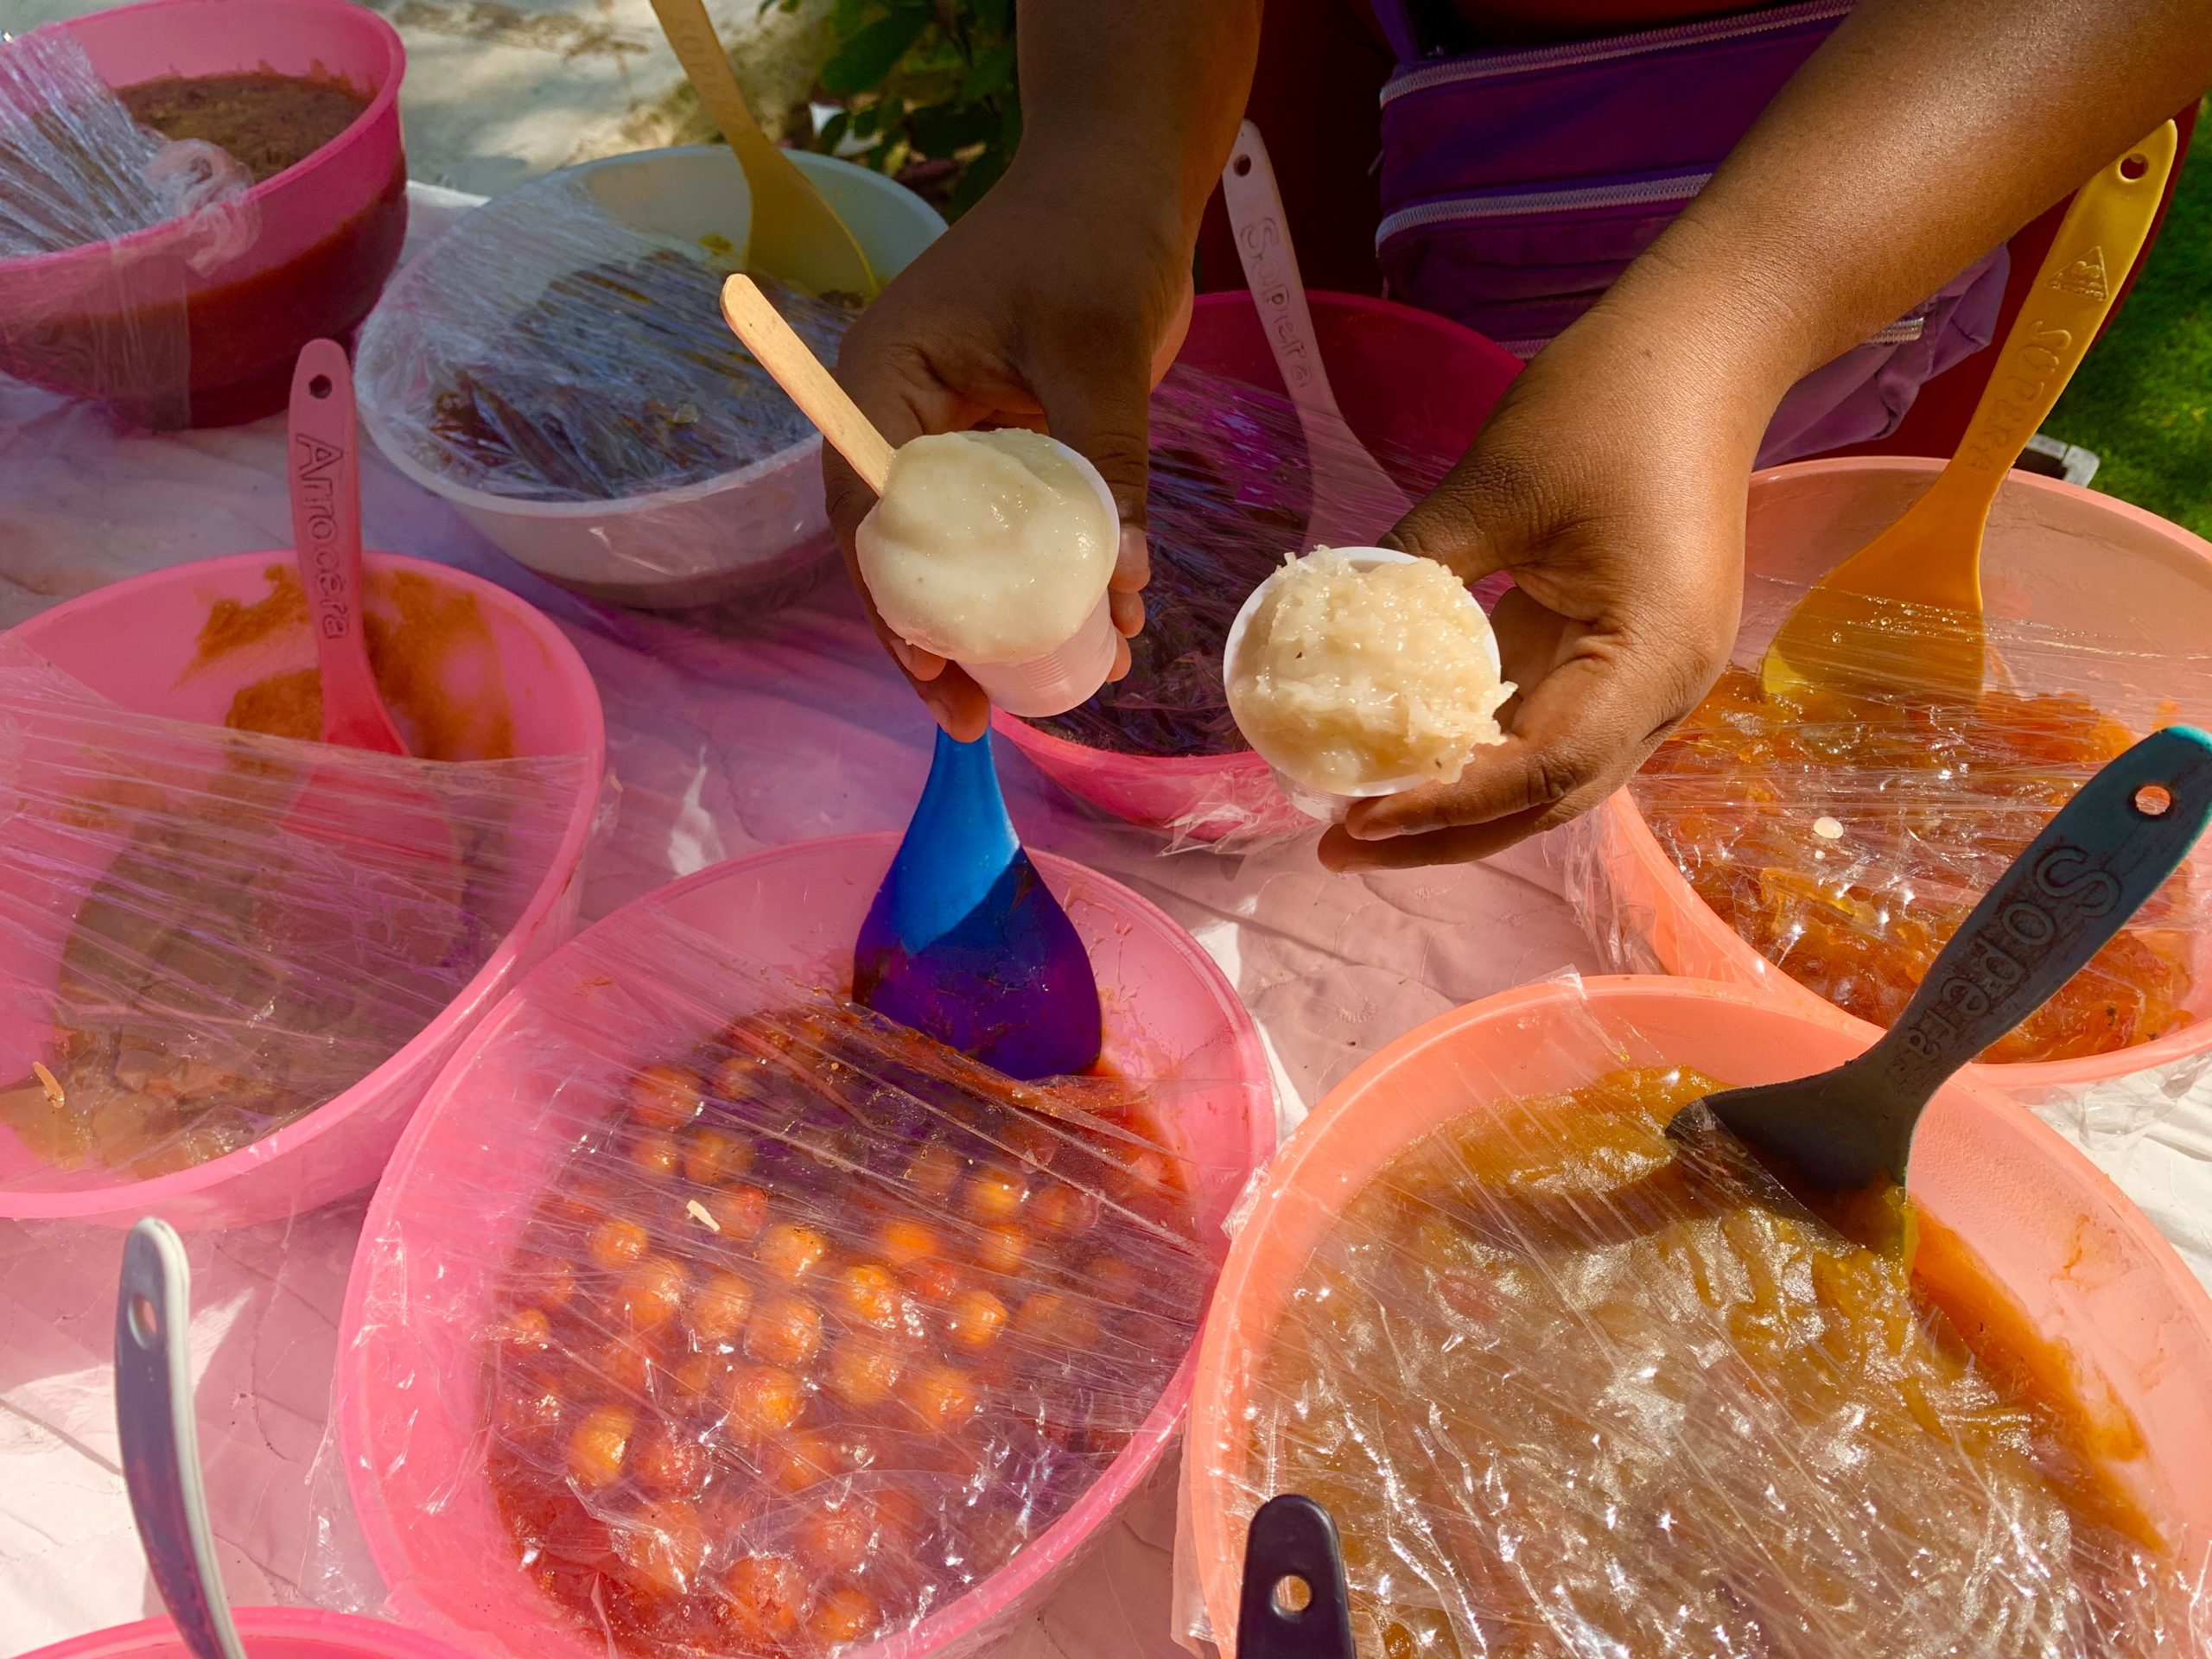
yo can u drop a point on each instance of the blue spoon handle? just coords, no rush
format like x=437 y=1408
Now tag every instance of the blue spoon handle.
x=2061 y=901
x=160 y=1443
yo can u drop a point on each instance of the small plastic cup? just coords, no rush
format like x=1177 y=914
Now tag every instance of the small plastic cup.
x=1069 y=675
x=1328 y=805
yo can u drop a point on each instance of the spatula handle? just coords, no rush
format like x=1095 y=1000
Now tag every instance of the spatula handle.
x=1293 y=1543
x=160 y=1441
x=2075 y=885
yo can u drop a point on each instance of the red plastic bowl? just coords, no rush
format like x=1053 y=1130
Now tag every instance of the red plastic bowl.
x=1406 y=380
x=267 y=1633
x=328 y=233
x=135 y=643
x=408 y=1405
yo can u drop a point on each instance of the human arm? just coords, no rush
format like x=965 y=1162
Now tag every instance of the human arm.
x=1610 y=481
x=1059 y=296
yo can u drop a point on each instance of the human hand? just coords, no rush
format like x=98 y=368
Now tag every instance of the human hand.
x=1613 y=495
x=1046 y=305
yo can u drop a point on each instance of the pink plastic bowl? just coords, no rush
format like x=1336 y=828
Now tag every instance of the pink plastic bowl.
x=408 y=1405
x=1406 y=380
x=2115 y=576
x=328 y=235
x=134 y=644
x=267 y=1633
x=2091 y=1275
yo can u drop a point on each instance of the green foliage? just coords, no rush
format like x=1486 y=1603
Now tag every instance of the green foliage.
x=925 y=81
x=2142 y=401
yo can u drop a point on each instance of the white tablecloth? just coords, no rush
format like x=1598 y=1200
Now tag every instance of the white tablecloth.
x=727 y=733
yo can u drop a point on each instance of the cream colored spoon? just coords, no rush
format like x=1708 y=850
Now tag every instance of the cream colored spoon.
x=796 y=236
x=1849 y=635
x=1354 y=499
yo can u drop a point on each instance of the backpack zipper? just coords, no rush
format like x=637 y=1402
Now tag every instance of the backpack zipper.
x=1487 y=66
x=1502 y=204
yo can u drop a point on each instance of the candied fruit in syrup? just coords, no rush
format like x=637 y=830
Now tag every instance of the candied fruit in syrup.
x=790 y=1353
x=790 y=1250
x=1845 y=839
x=1531 y=1291
x=665 y=1097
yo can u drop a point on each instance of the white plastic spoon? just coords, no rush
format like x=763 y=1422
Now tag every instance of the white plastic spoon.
x=161 y=1441
x=1354 y=499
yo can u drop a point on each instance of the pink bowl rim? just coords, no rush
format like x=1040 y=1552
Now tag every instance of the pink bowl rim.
x=342 y=14
x=349 y=1636
x=1528 y=1004
x=1066 y=1536
x=1036 y=741
x=1643 y=850
x=568 y=857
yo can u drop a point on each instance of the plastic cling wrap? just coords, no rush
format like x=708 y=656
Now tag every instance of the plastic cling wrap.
x=779 y=1330
x=78 y=173
x=208 y=934
x=1843 y=837
x=1230 y=495
x=1231 y=492
x=545 y=350
x=1569 y=1386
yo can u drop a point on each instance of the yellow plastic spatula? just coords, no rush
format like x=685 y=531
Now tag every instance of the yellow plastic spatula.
x=796 y=237
x=1854 y=632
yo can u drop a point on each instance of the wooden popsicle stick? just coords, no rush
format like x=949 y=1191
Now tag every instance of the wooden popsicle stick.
x=804 y=381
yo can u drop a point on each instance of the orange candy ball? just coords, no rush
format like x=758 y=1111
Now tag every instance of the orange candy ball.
x=670 y=1465
x=716 y=1311
x=934 y=1171
x=1067 y=1210
x=599 y=1446
x=1003 y=1249
x=790 y=1250
x=844 y=1617
x=656 y=1155
x=906 y=1244
x=661 y=1547
x=943 y=1397
x=616 y=1243
x=739 y=1212
x=763 y=1599
x=974 y=1320
x=993 y=1195
x=934 y=1282
x=651 y=1292
x=665 y=1097
x=715 y=1157
x=527 y=1329
x=862 y=1372
x=835 y=1539
x=764 y=1400
x=867 y=1294
x=785 y=1330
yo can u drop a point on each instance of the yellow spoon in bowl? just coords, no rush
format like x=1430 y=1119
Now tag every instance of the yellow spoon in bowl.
x=796 y=236
x=1852 y=633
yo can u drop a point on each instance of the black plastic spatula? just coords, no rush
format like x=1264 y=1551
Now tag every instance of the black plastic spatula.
x=2075 y=885
x=1294 y=1604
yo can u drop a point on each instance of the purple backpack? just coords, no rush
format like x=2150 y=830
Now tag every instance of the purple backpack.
x=1517 y=184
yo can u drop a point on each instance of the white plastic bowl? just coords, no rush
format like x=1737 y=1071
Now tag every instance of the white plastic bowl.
x=762 y=531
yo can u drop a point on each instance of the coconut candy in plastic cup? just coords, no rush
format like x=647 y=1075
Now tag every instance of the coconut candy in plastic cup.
x=1330 y=805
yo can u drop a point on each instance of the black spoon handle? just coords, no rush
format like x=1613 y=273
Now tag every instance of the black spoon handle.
x=1292 y=1542
x=2059 y=903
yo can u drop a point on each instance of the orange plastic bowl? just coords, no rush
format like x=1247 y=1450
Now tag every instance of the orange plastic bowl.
x=2091 y=1275
x=2115 y=575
